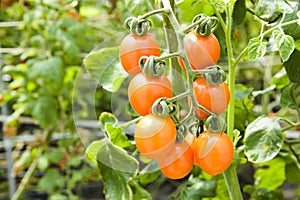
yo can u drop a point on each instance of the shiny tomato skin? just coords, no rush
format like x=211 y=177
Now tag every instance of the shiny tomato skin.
x=202 y=51
x=220 y=156
x=133 y=47
x=155 y=136
x=178 y=162
x=215 y=98
x=143 y=91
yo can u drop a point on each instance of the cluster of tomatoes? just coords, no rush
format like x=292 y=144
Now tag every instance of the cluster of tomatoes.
x=155 y=136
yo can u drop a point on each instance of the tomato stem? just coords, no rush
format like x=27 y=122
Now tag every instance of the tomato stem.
x=154 y=12
x=178 y=97
x=170 y=55
x=131 y=122
x=230 y=174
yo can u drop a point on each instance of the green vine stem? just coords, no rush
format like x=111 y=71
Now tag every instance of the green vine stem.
x=230 y=174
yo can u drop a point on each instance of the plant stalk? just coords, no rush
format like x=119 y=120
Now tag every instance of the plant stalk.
x=230 y=174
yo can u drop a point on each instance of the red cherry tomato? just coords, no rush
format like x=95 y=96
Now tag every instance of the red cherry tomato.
x=178 y=162
x=215 y=98
x=133 y=47
x=202 y=51
x=213 y=152
x=143 y=91
x=155 y=136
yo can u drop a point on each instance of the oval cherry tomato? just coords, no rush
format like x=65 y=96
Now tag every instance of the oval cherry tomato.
x=133 y=47
x=143 y=91
x=202 y=51
x=215 y=98
x=178 y=162
x=155 y=136
x=213 y=152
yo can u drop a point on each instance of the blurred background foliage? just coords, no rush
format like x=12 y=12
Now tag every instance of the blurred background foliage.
x=43 y=45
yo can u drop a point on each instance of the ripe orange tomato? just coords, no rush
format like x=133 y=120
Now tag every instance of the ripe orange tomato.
x=213 y=152
x=155 y=136
x=143 y=91
x=215 y=98
x=178 y=162
x=202 y=51
x=133 y=47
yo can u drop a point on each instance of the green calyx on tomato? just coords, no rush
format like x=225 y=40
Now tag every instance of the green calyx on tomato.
x=137 y=26
x=216 y=76
x=215 y=124
x=151 y=67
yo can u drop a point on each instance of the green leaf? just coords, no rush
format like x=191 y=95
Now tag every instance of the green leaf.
x=292 y=67
x=93 y=149
x=70 y=48
x=117 y=158
x=55 y=156
x=195 y=7
x=88 y=11
x=149 y=173
x=139 y=192
x=265 y=176
x=115 y=183
x=263 y=193
x=104 y=66
x=283 y=7
x=43 y=163
x=117 y=136
x=297 y=45
x=298 y=15
x=263 y=139
x=40 y=110
x=239 y=12
x=103 y=151
x=139 y=7
x=241 y=92
x=106 y=117
x=51 y=180
x=266 y=10
x=285 y=44
x=280 y=79
x=256 y=48
x=287 y=99
x=292 y=173
x=197 y=188
x=58 y=196
x=48 y=73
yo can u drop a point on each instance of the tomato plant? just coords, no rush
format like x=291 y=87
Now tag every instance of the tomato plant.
x=178 y=162
x=213 y=97
x=133 y=47
x=214 y=152
x=262 y=55
x=202 y=51
x=142 y=86
x=155 y=136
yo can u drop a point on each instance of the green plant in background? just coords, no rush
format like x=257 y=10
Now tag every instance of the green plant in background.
x=259 y=139
x=45 y=43
x=259 y=47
